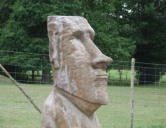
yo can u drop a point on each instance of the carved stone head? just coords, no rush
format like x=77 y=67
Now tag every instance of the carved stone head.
x=79 y=67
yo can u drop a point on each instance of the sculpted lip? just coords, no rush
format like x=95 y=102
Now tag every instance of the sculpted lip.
x=101 y=76
x=101 y=81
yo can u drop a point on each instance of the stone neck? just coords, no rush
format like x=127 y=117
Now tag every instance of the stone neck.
x=83 y=105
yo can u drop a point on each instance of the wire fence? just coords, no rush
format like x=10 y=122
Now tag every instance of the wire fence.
x=146 y=73
x=35 y=68
x=150 y=87
x=27 y=67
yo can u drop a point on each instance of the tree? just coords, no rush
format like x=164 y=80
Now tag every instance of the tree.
x=147 y=18
x=25 y=29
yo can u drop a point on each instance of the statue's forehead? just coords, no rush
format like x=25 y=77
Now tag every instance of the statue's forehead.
x=73 y=23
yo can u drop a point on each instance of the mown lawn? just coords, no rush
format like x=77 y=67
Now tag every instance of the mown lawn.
x=123 y=78
x=150 y=106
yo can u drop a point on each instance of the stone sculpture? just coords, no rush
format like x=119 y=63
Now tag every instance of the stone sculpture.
x=79 y=73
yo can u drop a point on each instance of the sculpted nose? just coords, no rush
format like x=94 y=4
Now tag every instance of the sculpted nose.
x=101 y=61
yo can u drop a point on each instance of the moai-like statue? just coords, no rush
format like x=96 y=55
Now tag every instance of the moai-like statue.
x=79 y=73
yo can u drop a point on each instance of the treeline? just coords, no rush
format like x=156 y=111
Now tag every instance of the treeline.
x=124 y=29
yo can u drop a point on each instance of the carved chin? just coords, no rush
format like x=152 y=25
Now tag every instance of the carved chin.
x=85 y=106
x=103 y=100
x=102 y=96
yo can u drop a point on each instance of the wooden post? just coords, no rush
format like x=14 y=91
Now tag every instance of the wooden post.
x=21 y=89
x=132 y=92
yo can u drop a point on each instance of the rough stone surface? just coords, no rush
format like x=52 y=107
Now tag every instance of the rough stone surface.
x=80 y=79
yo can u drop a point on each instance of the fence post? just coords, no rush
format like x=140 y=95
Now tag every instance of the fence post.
x=132 y=92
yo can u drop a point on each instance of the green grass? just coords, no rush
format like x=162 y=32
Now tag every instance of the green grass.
x=150 y=107
x=114 y=74
x=114 y=77
x=4 y=80
x=163 y=78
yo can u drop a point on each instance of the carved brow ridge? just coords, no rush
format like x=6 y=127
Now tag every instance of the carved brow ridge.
x=91 y=32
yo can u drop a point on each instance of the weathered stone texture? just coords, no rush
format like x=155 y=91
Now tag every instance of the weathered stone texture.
x=79 y=73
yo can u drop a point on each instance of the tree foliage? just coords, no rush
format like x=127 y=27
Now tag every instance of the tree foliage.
x=147 y=18
x=24 y=28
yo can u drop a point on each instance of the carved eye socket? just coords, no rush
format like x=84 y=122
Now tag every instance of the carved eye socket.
x=78 y=34
x=56 y=33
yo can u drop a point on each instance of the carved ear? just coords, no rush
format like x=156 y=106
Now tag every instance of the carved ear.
x=53 y=46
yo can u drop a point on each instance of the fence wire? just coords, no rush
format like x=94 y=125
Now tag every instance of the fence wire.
x=150 y=87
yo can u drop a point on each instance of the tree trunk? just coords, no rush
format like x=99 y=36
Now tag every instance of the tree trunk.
x=33 y=76
x=45 y=76
x=120 y=76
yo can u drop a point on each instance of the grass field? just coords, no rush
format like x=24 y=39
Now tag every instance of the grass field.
x=150 y=106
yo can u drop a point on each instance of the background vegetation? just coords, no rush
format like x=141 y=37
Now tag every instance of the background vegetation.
x=124 y=29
